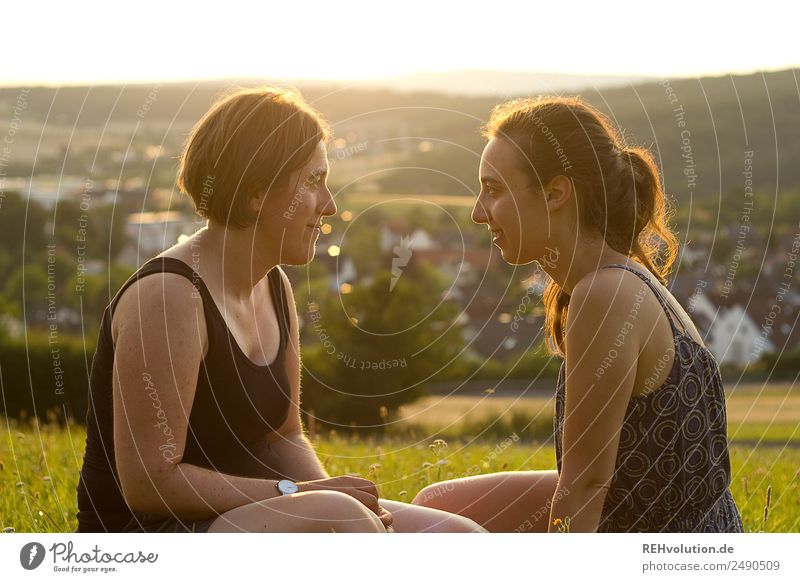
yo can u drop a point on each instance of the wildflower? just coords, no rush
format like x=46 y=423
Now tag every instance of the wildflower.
x=437 y=445
x=563 y=526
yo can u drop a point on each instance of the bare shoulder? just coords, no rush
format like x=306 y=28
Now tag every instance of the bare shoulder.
x=609 y=290
x=159 y=301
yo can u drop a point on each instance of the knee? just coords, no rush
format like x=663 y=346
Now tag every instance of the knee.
x=457 y=524
x=336 y=511
x=435 y=495
x=331 y=501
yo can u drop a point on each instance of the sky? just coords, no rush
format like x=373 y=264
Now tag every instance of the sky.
x=77 y=42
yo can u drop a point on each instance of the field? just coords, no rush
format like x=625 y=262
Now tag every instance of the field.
x=757 y=415
x=39 y=463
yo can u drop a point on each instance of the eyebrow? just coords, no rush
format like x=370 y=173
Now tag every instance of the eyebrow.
x=490 y=179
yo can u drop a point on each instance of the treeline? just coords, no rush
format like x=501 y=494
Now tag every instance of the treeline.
x=52 y=261
x=724 y=117
x=48 y=377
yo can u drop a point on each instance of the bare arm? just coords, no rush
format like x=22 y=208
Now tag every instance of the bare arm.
x=160 y=336
x=595 y=403
x=293 y=452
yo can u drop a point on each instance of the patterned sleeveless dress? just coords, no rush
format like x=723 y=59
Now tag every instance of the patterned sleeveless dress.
x=672 y=472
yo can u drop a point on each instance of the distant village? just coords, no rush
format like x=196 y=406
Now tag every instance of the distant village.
x=739 y=318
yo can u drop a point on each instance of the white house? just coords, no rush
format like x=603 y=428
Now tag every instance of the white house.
x=418 y=240
x=730 y=333
x=152 y=232
x=346 y=274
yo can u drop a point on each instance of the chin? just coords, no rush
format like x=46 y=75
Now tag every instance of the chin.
x=516 y=261
x=301 y=253
x=297 y=258
x=515 y=258
x=309 y=256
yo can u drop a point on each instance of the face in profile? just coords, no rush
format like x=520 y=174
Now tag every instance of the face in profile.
x=511 y=204
x=292 y=216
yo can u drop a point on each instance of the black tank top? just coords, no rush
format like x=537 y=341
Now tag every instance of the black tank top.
x=236 y=404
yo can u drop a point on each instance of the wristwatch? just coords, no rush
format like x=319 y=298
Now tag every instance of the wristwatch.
x=286 y=487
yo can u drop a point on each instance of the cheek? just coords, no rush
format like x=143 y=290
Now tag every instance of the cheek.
x=296 y=209
x=507 y=215
x=535 y=230
x=307 y=202
x=524 y=225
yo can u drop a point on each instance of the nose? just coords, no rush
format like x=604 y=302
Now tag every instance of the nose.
x=329 y=206
x=479 y=214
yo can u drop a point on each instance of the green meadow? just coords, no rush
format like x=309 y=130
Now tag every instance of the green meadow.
x=437 y=438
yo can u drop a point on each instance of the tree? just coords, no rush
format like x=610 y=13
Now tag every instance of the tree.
x=28 y=286
x=374 y=350
x=21 y=230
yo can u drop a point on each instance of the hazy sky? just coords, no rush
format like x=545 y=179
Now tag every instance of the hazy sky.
x=94 y=42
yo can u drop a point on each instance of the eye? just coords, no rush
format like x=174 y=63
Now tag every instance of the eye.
x=491 y=191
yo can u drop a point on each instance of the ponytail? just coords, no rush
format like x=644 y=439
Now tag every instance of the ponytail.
x=654 y=244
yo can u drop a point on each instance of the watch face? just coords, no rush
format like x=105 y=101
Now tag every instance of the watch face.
x=287 y=487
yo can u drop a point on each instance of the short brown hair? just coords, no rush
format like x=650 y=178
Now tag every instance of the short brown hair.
x=248 y=142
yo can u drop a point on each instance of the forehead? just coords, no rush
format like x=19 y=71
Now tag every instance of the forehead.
x=319 y=159
x=501 y=160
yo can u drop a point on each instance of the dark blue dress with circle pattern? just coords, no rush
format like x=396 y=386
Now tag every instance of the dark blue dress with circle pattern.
x=673 y=470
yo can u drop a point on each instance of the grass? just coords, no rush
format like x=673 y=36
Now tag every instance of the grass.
x=39 y=467
x=757 y=414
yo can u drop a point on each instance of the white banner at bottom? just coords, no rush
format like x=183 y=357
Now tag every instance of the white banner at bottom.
x=333 y=557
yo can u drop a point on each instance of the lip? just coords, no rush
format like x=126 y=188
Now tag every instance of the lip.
x=496 y=234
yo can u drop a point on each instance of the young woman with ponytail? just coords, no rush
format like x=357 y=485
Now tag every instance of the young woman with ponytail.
x=640 y=424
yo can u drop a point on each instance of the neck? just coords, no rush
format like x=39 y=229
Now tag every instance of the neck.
x=576 y=261
x=238 y=257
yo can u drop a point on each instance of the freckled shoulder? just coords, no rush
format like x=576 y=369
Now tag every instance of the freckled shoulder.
x=159 y=300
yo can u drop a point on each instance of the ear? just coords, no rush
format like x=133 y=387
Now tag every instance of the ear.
x=558 y=191
x=256 y=201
